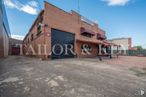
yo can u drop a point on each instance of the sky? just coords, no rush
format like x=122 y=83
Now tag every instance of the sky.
x=119 y=18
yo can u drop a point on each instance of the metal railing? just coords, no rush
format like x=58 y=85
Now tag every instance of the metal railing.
x=87 y=21
x=136 y=52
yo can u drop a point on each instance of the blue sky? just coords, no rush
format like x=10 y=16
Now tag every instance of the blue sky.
x=119 y=18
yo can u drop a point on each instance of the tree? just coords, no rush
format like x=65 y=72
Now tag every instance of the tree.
x=138 y=47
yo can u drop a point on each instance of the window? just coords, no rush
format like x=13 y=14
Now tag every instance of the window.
x=40 y=20
x=25 y=42
x=39 y=30
x=87 y=35
x=28 y=40
x=101 y=37
x=87 y=32
x=31 y=37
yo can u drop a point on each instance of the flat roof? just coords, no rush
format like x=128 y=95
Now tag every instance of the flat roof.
x=119 y=38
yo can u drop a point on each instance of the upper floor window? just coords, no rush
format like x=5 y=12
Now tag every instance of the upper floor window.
x=25 y=42
x=39 y=26
x=39 y=29
x=101 y=37
x=87 y=33
x=31 y=37
x=28 y=40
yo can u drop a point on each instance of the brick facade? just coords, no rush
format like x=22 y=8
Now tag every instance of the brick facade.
x=54 y=17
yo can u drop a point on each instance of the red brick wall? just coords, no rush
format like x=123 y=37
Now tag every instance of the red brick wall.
x=70 y=22
x=93 y=53
x=61 y=20
x=129 y=43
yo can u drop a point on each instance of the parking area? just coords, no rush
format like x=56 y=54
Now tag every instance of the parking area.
x=128 y=61
x=78 y=77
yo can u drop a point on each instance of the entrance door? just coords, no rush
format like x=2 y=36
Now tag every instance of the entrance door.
x=59 y=40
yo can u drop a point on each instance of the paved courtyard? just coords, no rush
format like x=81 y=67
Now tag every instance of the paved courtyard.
x=84 y=77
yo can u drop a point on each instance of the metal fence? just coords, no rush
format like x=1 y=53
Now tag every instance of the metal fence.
x=136 y=52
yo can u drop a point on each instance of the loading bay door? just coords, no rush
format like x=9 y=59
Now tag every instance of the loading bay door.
x=60 y=38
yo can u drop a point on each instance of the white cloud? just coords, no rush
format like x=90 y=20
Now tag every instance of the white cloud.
x=33 y=3
x=10 y=4
x=30 y=7
x=116 y=2
x=19 y=37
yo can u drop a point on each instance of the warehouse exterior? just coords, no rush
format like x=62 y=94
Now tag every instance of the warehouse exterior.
x=55 y=26
x=4 y=31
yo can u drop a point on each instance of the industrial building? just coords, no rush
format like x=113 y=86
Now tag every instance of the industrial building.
x=4 y=31
x=56 y=26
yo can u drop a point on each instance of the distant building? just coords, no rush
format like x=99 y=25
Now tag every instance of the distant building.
x=4 y=31
x=15 y=46
x=124 y=43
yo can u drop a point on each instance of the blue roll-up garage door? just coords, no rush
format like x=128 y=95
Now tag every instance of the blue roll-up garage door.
x=59 y=40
